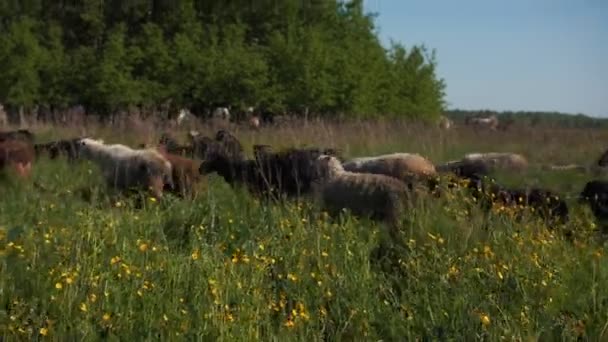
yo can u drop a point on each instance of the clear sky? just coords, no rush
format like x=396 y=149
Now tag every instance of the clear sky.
x=509 y=54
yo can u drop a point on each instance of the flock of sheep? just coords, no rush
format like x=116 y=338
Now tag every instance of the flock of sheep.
x=380 y=187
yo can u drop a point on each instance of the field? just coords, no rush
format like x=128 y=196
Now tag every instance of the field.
x=227 y=267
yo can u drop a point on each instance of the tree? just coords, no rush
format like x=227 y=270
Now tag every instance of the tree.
x=20 y=55
x=293 y=55
x=114 y=84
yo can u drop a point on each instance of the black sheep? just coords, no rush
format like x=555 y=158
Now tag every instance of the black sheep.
x=21 y=134
x=595 y=194
x=548 y=205
x=65 y=147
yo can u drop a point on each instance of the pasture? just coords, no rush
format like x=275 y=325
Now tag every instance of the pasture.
x=76 y=263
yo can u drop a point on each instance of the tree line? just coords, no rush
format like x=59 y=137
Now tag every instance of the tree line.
x=322 y=56
x=533 y=118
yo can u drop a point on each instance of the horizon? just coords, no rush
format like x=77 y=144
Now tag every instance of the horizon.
x=541 y=56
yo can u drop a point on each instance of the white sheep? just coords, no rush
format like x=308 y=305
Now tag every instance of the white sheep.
x=378 y=196
x=494 y=160
x=124 y=167
x=403 y=166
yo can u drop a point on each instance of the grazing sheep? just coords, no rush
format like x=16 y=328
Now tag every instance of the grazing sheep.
x=235 y=172
x=172 y=146
x=124 y=167
x=230 y=144
x=54 y=149
x=445 y=123
x=18 y=155
x=254 y=122
x=490 y=122
x=378 y=196
x=201 y=145
x=290 y=172
x=545 y=203
x=21 y=134
x=603 y=161
x=224 y=143
x=184 y=173
x=568 y=167
x=270 y=174
x=595 y=194
x=493 y=160
x=406 y=167
x=465 y=168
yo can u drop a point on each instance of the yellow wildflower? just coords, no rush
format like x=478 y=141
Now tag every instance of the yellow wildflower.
x=58 y=286
x=289 y=323
x=106 y=317
x=485 y=319
x=83 y=307
x=44 y=331
x=143 y=247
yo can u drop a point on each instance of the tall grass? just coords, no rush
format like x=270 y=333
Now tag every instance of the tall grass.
x=228 y=267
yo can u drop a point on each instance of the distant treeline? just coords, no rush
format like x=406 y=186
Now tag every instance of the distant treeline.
x=533 y=118
x=294 y=55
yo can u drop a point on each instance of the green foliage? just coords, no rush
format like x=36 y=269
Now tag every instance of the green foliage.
x=289 y=55
x=20 y=56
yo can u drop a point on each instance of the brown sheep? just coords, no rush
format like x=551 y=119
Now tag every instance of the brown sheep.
x=18 y=155
x=184 y=172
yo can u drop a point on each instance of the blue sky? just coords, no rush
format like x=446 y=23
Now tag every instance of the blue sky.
x=509 y=54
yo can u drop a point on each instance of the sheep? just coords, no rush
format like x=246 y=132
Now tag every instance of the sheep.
x=235 y=172
x=407 y=167
x=124 y=167
x=493 y=160
x=378 y=196
x=272 y=175
x=490 y=122
x=18 y=155
x=184 y=173
x=21 y=134
x=595 y=194
x=546 y=204
x=224 y=143
x=230 y=144
x=465 y=169
x=603 y=161
x=172 y=146
x=290 y=172
x=67 y=147
x=254 y=122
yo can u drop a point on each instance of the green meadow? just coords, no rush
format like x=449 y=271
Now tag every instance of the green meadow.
x=77 y=262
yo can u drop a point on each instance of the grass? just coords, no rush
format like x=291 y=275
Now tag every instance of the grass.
x=227 y=267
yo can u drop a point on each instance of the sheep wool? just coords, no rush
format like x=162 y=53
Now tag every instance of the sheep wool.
x=379 y=196
x=506 y=161
x=403 y=166
x=124 y=167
